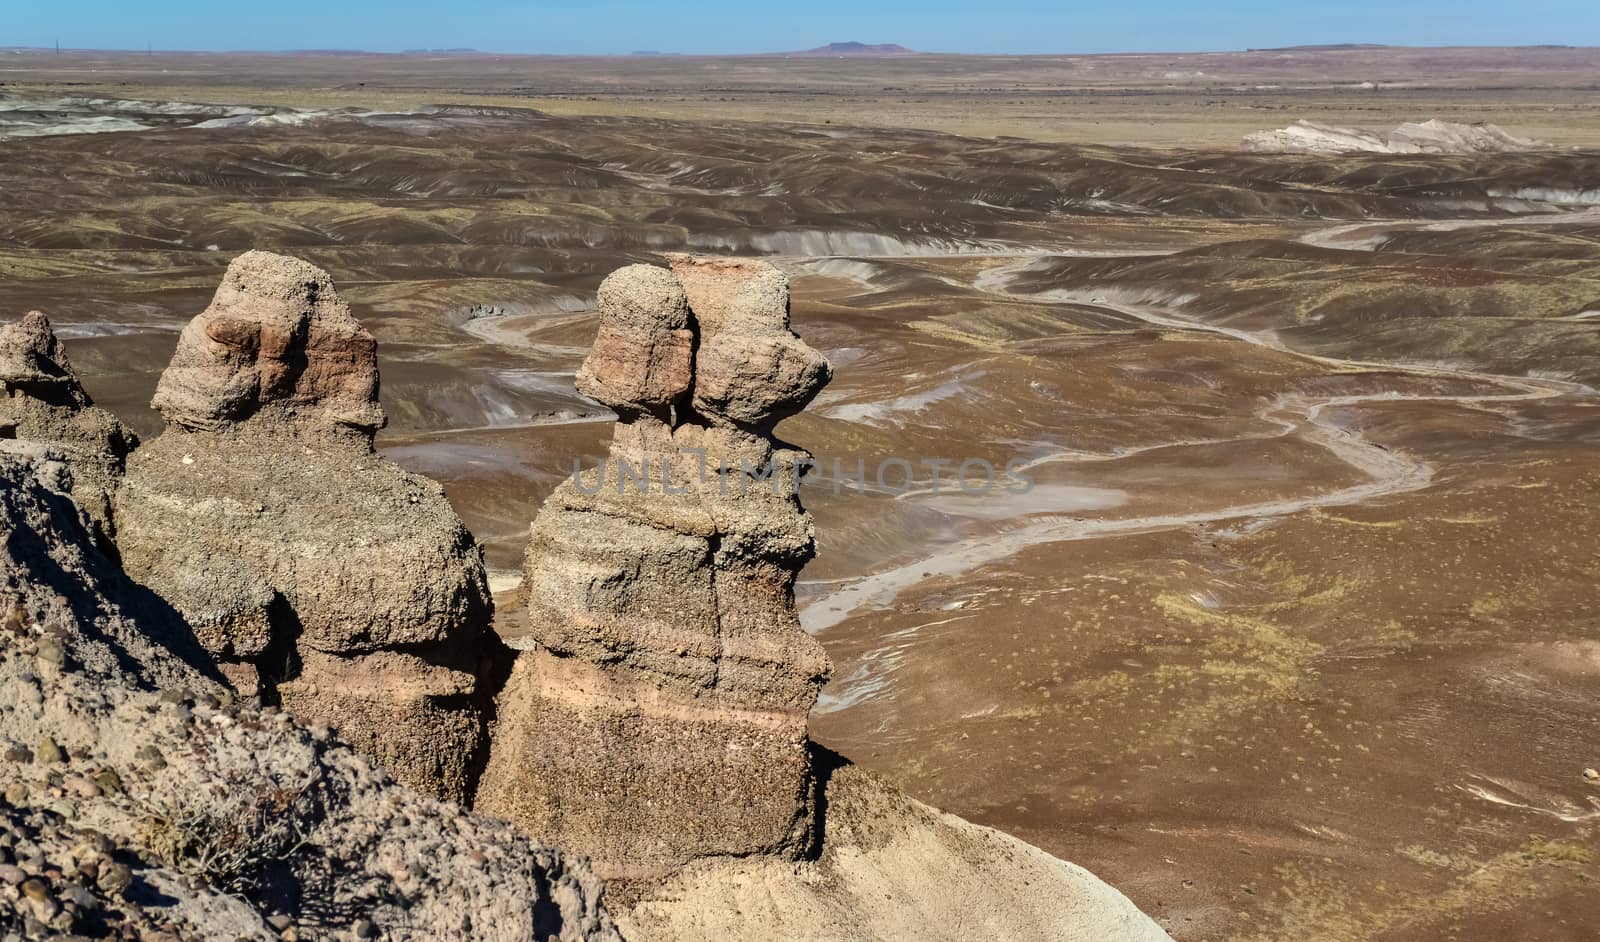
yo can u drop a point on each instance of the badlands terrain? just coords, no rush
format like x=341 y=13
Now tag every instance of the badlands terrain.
x=1292 y=635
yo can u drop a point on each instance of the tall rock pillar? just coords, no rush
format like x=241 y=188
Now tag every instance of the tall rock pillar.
x=657 y=713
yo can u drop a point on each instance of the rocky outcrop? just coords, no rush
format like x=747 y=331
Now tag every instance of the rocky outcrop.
x=45 y=414
x=313 y=570
x=278 y=348
x=656 y=717
x=1422 y=137
x=137 y=796
x=658 y=712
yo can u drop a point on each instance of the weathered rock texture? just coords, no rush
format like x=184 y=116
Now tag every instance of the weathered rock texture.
x=658 y=714
x=137 y=793
x=334 y=581
x=45 y=414
x=279 y=347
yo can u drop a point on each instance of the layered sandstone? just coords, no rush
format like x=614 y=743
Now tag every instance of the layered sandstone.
x=45 y=414
x=658 y=712
x=314 y=571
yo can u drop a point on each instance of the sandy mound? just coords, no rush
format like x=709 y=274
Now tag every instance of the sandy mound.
x=891 y=868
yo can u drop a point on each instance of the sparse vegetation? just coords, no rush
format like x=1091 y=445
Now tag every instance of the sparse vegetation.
x=231 y=833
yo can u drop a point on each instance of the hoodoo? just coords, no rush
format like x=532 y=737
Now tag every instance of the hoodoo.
x=658 y=713
x=314 y=571
x=656 y=716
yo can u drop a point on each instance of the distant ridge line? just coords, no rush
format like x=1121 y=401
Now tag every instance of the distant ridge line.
x=856 y=49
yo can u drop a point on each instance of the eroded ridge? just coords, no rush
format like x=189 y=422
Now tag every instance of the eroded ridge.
x=658 y=713
x=314 y=571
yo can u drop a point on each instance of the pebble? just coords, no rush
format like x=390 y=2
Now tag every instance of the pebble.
x=11 y=874
x=115 y=879
x=51 y=652
x=35 y=890
x=79 y=896
x=48 y=753
x=91 y=844
x=82 y=787
x=1592 y=775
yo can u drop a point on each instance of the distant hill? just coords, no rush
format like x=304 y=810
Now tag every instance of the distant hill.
x=856 y=49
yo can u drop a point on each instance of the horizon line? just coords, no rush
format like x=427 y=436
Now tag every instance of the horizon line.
x=816 y=52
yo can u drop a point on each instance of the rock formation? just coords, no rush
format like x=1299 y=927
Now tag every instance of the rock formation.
x=1424 y=137
x=45 y=413
x=138 y=800
x=312 y=569
x=658 y=712
x=656 y=718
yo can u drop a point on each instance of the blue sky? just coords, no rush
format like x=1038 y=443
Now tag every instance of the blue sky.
x=726 y=26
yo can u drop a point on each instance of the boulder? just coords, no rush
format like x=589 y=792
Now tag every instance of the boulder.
x=278 y=347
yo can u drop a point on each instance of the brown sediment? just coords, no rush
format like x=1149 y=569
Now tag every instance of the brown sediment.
x=1411 y=655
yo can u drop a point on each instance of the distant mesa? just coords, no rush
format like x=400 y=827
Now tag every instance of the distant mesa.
x=857 y=49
